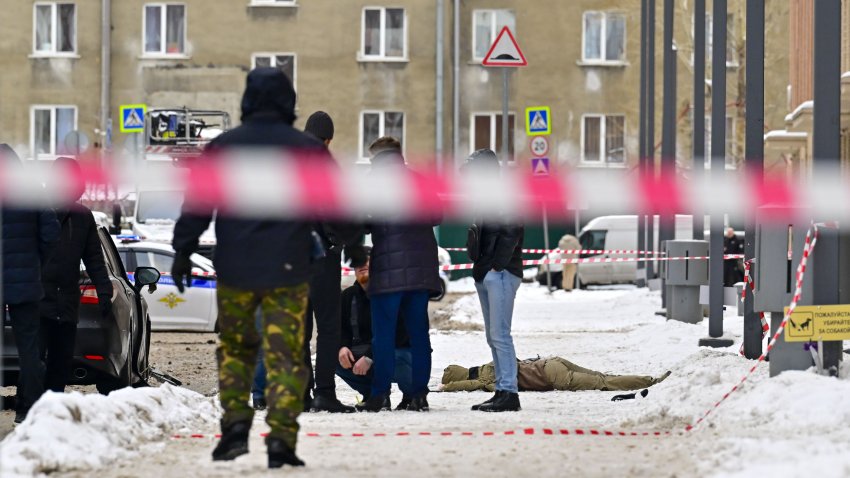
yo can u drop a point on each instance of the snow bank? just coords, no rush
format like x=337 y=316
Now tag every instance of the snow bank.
x=80 y=432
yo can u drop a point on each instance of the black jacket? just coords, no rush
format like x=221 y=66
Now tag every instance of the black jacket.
x=28 y=239
x=404 y=258
x=77 y=241
x=500 y=247
x=733 y=245
x=256 y=253
x=356 y=332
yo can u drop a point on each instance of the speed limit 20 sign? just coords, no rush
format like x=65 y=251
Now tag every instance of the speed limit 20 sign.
x=539 y=146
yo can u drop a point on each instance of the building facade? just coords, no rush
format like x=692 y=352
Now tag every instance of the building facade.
x=377 y=69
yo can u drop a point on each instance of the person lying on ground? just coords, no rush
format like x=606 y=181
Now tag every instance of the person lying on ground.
x=543 y=375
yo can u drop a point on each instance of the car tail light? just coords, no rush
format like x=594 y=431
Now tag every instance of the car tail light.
x=88 y=295
x=93 y=357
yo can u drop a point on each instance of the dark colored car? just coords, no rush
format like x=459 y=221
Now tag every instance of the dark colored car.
x=109 y=354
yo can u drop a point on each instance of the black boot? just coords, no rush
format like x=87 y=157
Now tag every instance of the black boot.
x=322 y=403
x=376 y=403
x=280 y=454
x=487 y=402
x=308 y=401
x=419 y=404
x=233 y=443
x=506 y=402
x=404 y=404
x=259 y=403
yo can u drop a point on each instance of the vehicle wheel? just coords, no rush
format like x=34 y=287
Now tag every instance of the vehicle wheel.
x=579 y=284
x=442 y=293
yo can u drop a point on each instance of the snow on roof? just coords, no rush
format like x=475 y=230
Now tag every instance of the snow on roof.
x=806 y=105
x=782 y=134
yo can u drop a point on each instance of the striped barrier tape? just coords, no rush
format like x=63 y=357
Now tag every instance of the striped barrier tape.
x=749 y=283
x=572 y=251
x=808 y=247
x=520 y=432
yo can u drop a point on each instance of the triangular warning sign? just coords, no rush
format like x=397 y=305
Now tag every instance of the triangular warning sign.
x=133 y=120
x=538 y=122
x=504 y=51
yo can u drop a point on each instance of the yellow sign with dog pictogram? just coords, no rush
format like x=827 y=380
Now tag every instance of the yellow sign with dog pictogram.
x=818 y=322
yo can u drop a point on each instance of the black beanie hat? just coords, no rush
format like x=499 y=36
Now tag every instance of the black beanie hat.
x=320 y=125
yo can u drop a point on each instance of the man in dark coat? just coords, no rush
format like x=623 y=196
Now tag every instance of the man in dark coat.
x=403 y=274
x=732 y=244
x=260 y=262
x=28 y=240
x=78 y=240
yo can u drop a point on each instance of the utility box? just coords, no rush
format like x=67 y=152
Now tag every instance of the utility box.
x=684 y=278
x=779 y=249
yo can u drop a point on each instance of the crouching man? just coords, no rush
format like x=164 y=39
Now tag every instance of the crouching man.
x=355 y=353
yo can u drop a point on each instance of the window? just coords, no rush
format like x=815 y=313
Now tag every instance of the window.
x=487 y=132
x=159 y=261
x=284 y=61
x=730 y=141
x=604 y=139
x=55 y=29
x=376 y=124
x=486 y=24
x=384 y=34
x=49 y=127
x=164 y=29
x=731 y=42
x=592 y=240
x=604 y=39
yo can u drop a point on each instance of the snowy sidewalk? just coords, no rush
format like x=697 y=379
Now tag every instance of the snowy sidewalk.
x=612 y=330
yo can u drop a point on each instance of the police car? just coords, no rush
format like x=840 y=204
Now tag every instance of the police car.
x=194 y=310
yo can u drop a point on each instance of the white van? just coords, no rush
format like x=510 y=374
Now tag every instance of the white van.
x=611 y=233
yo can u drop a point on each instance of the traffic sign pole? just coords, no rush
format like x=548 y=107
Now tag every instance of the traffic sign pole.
x=506 y=90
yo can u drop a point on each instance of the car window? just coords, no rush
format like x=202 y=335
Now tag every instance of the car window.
x=162 y=262
x=113 y=262
x=592 y=240
x=125 y=257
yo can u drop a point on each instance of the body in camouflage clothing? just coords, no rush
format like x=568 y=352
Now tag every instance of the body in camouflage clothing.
x=283 y=332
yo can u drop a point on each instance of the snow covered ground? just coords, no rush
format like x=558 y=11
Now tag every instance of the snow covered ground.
x=791 y=425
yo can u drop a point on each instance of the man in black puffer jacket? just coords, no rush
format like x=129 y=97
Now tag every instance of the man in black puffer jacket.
x=28 y=240
x=260 y=262
x=403 y=274
x=61 y=303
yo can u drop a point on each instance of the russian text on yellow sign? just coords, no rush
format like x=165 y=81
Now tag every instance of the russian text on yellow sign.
x=818 y=322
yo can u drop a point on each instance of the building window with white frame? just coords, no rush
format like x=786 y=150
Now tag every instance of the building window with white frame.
x=486 y=132
x=377 y=124
x=54 y=29
x=603 y=140
x=604 y=37
x=486 y=24
x=164 y=29
x=384 y=34
x=731 y=41
x=283 y=61
x=49 y=127
x=730 y=156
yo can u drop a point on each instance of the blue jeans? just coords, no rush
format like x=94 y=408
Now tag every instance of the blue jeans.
x=363 y=383
x=258 y=389
x=496 y=294
x=386 y=310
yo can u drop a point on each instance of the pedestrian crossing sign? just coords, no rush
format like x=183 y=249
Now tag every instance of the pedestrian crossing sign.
x=133 y=118
x=538 y=121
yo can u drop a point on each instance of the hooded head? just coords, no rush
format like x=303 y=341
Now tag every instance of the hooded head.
x=455 y=373
x=268 y=94
x=69 y=169
x=320 y=125
x=482 y=160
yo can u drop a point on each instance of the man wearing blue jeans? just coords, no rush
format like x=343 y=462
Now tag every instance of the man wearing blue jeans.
x=496 y=250
x=403 y=274
x=355 y=352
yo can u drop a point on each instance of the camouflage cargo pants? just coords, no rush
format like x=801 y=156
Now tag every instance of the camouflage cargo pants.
x=282 y=339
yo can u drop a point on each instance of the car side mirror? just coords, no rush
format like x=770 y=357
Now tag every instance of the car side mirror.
x=146 y=276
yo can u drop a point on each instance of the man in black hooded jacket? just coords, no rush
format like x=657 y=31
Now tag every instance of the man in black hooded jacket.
x=61 y=303
x=260 y=262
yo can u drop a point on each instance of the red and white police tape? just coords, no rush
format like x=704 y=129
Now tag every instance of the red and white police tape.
x=519 y=432
x=808 y=247
x=749 y=283
x=572 y=251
